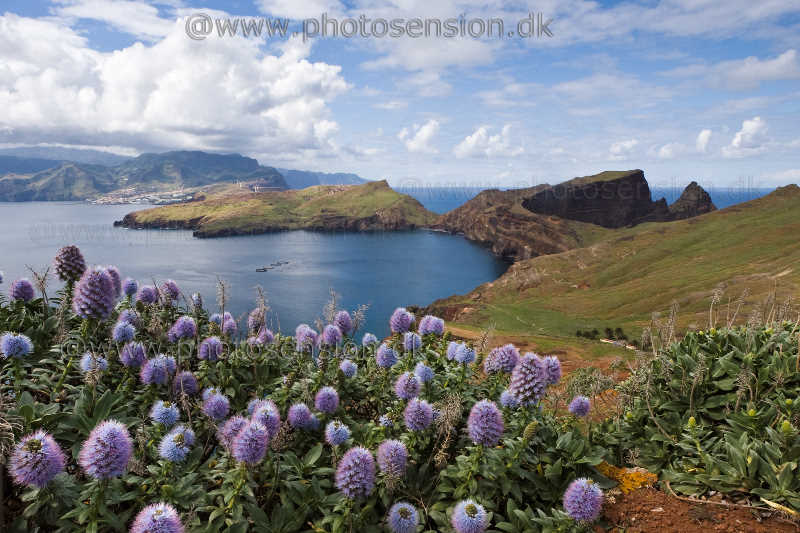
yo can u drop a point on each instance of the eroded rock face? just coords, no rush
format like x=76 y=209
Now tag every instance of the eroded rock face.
x=694 y=201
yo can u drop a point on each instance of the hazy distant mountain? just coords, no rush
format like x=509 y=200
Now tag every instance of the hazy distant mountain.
x=68 y=181
x=300 y=179
x=24 y=165
x=77 y=155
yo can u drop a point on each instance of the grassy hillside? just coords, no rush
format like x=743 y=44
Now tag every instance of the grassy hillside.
x=230 y=211
x=622 y=279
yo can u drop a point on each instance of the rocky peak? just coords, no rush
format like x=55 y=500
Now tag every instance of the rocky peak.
x=693 y=201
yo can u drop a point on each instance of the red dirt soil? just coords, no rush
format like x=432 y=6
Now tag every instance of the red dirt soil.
x=650 y=510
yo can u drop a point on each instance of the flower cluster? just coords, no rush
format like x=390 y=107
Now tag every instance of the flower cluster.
x=15 y=345
x=431 y=325
x=36 y=460
x=418 y=414
x=69 y=264
x=94 y=295
x=583 y=500
x=485 y=423
x=176 y=444
x=21 y=289
x=355 y=475
x=502 y=359
x=106 y=452
x=392 y=458
x=401 y=320
x=336 y=433
x=529 y=379
x=210 y=349
x=183 y=328
x=157 y=518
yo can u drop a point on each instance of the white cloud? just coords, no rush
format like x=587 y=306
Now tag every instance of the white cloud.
x=702 y=141
x=482 y=144
x=749 y=140
x=742 y=74
x=55 y=88
x=134 y=17
x=300 y=9
x=783 y=177
x=418 y=139
x=622 y=149
x=671 y=150
x=392 y=104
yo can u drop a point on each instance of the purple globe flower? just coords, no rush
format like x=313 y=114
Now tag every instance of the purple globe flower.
x=469 y=517
x=385 y=421
x=106 y=452
x=123 y=332
x=229 y=327
x=385 y=356
x=299 y=416
x=147 y=294
x=401 y=320
x=93 y=296
x=485 y=423
x=529 y=379
x=423 y=372
x=553 y=369
x=157 y=518
x=22 y=289
x=348 y=368
x=129 y=316
x=407 y=386
x=355 y=475
x=210 y=349
x=418 y=414
x=265 y=336
x=464 y=354
x=216 y=406
x=116 y=280
x=431 y=325
x=583 y=500
x=507 y=399
x=392 y=458
x=403 y=518
x=331 y=335
x=267 y=414
x=580 y=406
x=336 y=433
x=255 y=320
x=69 y=264
x=36 y=460
x=208 y=392
x=411 y=341
x=91 y=362
x=156 y=371
x=15 y=345
x=502 y=359
x=369 y=339
x=183 y=328
x=305 y=337
x=176 y=444
x=254 y=404
x=170 y=291
x=230 y=429
x=129 y=287
x=452 y=348
x=327 y=400
x=132 y=354
x=216 y=318
x=165 y=413
x=197 y=300
x=185 y=383
x=250 y=443
x=344 y=322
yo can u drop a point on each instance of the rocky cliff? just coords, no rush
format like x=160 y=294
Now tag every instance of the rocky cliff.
x=693 y=202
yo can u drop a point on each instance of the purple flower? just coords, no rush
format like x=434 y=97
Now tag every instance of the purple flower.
x=553 y=369
x=407 y=386
x=129 y=287
x=401 y=320
x=216 y=406
x=385 y=356
x=254 y=404
x=170 y=291
x=502 y=359
x=185 y=383
x=157 y=518
x=423 y=372
x=579 y=406
x=123 y=332
x=299 y=416
x=116 y=280
x=69 y=264
x=15 y=345
x=132 y=354
x=230 y=429
x=250 y=443
x=529 y=379
x=336 y=433
x=91 y=362
x=331 y=335
x=22 y=289
x=267 y=414
x=327 y=400
x=106 y=452
x=392 y=458
x=265 y=336
x=165 y=413
x=197 y=300
x=385 y=421
x=469 y=517
x=176 y=444
x=431 y=325
x=343 y=321
x=129 y=316
x=507 y=399
x=93 y=296
x=355 y=475
x=305 y=337
x=464 y=355
x=147 y=294
x=583 y=500
x=183 y=328
x=229 y=327
x=210 y=349
x=36 y=460
x=418 y=414
x=348 y=368
x=255 y=320
x=208 y=392
x=216 y=318
x=403 y=518
x=452 y=348
x=411 y=341
x=485 y=423
x=156 y=371
x=369 y=339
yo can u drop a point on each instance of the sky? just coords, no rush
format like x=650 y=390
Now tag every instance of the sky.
x=703 y=90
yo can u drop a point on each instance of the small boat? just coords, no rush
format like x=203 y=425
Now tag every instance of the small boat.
x=263 y=269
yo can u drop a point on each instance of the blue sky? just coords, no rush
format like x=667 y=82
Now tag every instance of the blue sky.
x=684 y=89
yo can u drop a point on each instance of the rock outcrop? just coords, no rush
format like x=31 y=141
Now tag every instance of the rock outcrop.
x=693 y=201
